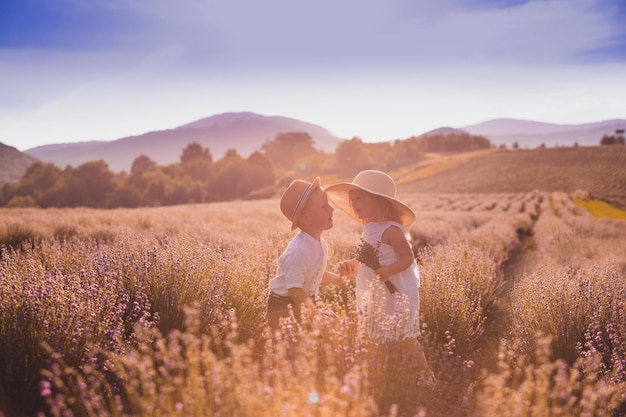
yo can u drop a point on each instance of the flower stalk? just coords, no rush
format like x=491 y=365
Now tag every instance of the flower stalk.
x=368 y=255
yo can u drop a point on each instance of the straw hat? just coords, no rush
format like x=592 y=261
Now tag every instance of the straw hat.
x=295 y=197
x=374 y=182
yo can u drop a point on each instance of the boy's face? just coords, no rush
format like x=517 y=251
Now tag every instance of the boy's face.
x=318 y=214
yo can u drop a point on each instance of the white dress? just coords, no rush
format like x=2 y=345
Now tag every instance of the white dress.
x=381 y=313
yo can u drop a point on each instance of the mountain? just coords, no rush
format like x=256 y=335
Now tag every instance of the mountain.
x=445 y=131
x=13 y=164
x=530 y=134
x=245 y=132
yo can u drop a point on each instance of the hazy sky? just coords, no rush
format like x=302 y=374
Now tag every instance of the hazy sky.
x=77 y=70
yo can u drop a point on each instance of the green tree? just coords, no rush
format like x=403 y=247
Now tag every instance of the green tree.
x=454 y=142
x=229 y=172
x=42 y=182
x=21 y=201
x=607 y=140
x=406 y=151
x=258 y=173
x=90 y=185
x=195 y=151
x=197 y=162
x=197 y=192
x=286 y=150
x=351 y=156
x=612 y=140
x=126 y=193
x=142 y=164
x=155 y=188
x=176 y=191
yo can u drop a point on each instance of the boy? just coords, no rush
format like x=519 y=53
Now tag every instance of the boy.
x=302 y=266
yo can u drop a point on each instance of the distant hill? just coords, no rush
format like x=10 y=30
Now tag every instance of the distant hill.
x=530 y=134
x=13 y=164
x=445 y=131
x=245 y=132
x=598 y=170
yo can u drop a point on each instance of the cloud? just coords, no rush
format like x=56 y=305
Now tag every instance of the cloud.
x=76 y=64
x=544 y=33
x=283 y=35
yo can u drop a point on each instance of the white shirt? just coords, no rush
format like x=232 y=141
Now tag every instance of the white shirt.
x=301 y=265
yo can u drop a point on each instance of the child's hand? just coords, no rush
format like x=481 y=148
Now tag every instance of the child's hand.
x=384 y=273
x=348 y=268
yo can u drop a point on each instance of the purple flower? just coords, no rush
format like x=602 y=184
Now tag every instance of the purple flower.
x=368 y=256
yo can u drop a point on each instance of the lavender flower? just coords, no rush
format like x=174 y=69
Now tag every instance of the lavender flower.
x=368 y=256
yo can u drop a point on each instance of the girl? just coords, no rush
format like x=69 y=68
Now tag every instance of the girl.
x=386 y=312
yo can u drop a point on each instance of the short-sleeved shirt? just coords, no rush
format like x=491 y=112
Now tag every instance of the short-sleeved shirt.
x=301 y=265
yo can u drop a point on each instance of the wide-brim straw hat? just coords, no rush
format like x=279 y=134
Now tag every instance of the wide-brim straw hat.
x=295 y=197
x=374 y=182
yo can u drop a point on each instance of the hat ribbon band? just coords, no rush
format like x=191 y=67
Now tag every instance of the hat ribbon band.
x=302 y=197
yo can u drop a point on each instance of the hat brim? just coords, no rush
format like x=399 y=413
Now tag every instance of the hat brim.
x=316 y=183
x=339 y=195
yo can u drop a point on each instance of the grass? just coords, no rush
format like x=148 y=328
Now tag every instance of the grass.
x=437 y=163
x=160 y=311
x=601 y=209
x=598 y=170
x=18 y=234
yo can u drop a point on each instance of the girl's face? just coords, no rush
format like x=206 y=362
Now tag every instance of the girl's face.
x=363 y=204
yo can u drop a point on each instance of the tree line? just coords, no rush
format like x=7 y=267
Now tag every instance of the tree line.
x=617 y=139
x=198 y=178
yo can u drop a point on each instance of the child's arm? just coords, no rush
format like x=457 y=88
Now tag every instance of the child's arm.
x=331 y=278
x=299 y=296
x=348 y=268
x=395 y=237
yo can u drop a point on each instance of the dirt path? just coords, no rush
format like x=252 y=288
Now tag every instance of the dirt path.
x=498 y=322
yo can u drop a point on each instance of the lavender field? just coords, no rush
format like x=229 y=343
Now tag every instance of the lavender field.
x=160 y=312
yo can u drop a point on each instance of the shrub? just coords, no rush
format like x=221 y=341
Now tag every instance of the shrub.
x=535 y=384
x=18 y=236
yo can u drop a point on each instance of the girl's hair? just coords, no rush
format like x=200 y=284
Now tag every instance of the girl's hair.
x=388 y=211
x=385 y=208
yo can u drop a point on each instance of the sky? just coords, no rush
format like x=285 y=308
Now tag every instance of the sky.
x=82 y=70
